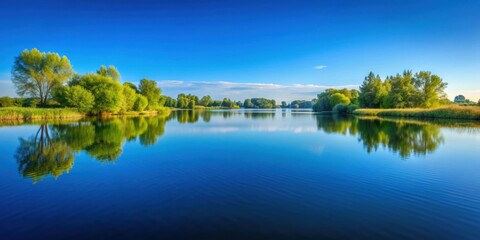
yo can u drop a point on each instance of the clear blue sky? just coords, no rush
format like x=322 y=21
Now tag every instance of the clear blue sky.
x=251 y=48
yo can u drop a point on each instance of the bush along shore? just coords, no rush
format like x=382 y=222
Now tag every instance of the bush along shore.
x=446 y=112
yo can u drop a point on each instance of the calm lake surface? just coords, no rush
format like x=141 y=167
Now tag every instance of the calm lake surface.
x=240 y=174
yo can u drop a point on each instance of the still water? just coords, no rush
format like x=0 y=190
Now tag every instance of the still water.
x=240 y=175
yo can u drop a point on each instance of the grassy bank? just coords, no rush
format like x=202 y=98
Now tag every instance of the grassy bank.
x=447 y=112
x=21 y=113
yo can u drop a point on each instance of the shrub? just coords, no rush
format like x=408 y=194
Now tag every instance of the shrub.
x=340 y=109
x=352 y=108
x=79 y=98
x=6 y=102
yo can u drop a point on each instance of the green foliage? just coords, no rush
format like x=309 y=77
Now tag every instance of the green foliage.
x=339 y=98
x=352 y=108
x=79 y=98
x=129 y=98
x=108 y=93
x=110 y=72
x=187 y=101
x=205 y=101
x=259 y=103
x=149 y=89
x=372 y=92
x=141 y=103
x=227 y=103
x=340 y=109
x=446 y=112
x=430 y=89
x=170 y=102
x=327 y=100
x=6 y=102
x=36 y=73
x=403 y=91
x=24 y=113
x=301 y=104
x=132 y=86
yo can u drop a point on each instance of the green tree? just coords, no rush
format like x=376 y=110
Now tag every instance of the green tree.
x=36 y=73
x=248 y=103
x=129 y=98
x=372 y=92
x=430 y=89
x=205 y=101
x=79 y=98
x=108 y=93
x=140 y=103
x=149 y=89
x=111 y=72
x=131 y=85
x=403 y=92
x=338 y=98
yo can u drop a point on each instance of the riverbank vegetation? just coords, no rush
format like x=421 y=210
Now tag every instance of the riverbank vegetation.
x=445 y=112
x=23 y=113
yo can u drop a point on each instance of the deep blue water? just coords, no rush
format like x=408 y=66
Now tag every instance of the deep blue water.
x=240 y=175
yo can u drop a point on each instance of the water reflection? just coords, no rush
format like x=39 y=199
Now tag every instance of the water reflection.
x=399 y=136
x=51 y=149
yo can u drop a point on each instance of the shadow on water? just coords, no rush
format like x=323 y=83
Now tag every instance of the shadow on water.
x=51 y=149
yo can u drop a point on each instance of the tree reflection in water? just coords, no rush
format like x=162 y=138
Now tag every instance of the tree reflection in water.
x=51 y=150
x=400 y=136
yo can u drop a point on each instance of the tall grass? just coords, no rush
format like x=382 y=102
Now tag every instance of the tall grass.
x=21 y=113
x=446 y=112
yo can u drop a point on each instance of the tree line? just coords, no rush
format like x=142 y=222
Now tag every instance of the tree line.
x=48 y=80
x=406 y=90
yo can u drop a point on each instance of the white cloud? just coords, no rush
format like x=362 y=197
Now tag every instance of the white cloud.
x=241 y=91
x=319 y=67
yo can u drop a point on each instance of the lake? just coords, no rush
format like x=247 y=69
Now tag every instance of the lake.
x=240 y=174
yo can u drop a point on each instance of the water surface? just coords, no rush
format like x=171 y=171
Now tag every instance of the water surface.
x=240 y=174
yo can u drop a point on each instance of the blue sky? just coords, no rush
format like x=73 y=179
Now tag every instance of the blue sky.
x=242 y=49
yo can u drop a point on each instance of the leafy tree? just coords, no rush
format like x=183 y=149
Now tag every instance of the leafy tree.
x=259 y=103
x=430 y=89
x=79 y=98
x=205 y=101
x=403 y=92
x=140 y=103
x=131 y=85
x=36 y=73
x=340 y=108
x=111 y=72
x=459 y=99
x=108 y=93
x=248 y=103
x=149 y=89
x=372 y=92
x=284 y=104
x=331 y=97
x=129 y=98
x=338 y=98
x=170 y=102
x=301 y=104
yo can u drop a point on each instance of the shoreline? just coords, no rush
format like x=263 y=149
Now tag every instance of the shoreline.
x=27 y=114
